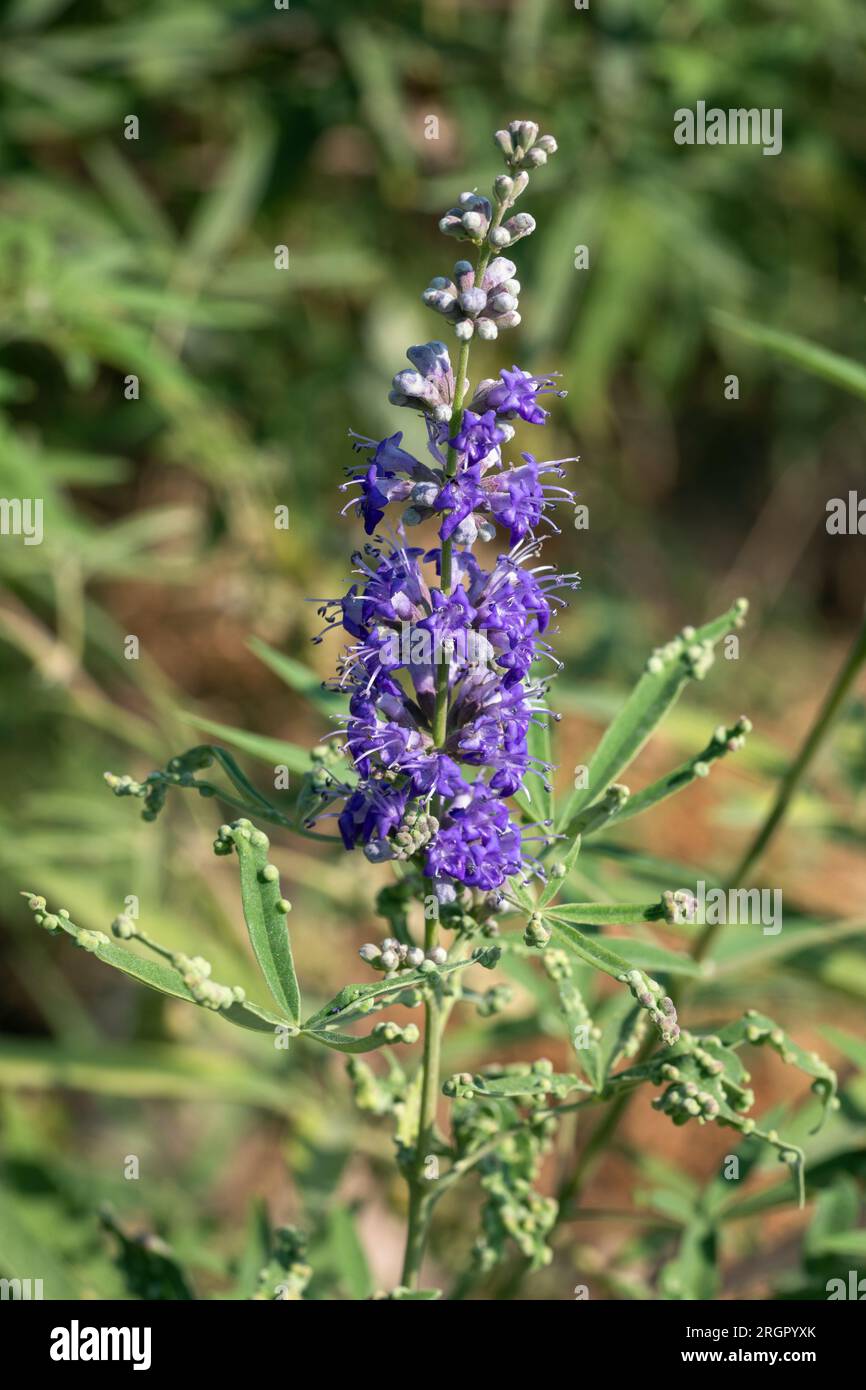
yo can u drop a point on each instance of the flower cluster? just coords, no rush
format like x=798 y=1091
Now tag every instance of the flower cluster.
x=442 y=667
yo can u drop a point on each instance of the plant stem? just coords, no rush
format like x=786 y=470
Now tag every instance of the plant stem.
x=833 y=701
x=420 y=1192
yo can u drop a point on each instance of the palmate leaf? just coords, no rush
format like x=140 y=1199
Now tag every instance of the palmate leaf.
x=187 y=978
x=668 y=671
x=354 y=1002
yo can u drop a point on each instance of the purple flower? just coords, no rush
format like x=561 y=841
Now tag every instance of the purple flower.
x=430 y=387
x=459 y=499
x=515 y=393
x=442 y=678
x=372 y=813
x=479 y=437
x=478 y=845
x=389 y=476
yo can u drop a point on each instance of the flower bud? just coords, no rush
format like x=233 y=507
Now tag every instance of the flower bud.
x=536 y=933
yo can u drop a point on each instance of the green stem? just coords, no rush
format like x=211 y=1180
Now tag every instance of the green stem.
x=420 y=1191
x=835 y=698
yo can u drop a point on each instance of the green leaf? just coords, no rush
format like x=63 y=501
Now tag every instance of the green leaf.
x=140 y=1072
x=658 y=960
x=162 y=977
x=273 y=751
x=667 y=672
x=692 y=1274
x=590 y=950
x=583 y=1036
x=812 y=357
x=347 y=1252
x=851 y=1243
x=354 y=1001
x=149 y=1267
x=645 y=955
x=24 y=1256
x=555 y=882
x=737 y=948
x=298 y=677
x=266 y=924
x=853 y=1048
x=605 y=914
x=348 y=1042
x=257 y=1249
x=516 y=1084
x=758 y=1030
x=535 y=798
x=836 y=1214
x=681 y=777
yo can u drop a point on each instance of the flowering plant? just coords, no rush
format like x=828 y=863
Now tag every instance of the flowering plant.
x=442 y=770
